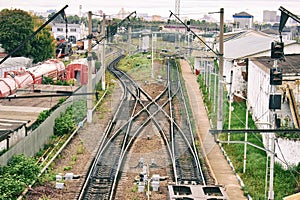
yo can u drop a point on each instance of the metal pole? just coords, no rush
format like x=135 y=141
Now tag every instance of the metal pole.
x=266 y=179
x=152 y=57
x=103 y=55
x=89 y=59
x=215 y=92
x=129 y=39
x=272 y=149
x=206 y=74
x=246 y=138
x=230 y=105
x=140 y=43
x=99 y=48
x=62 y=12
x=209 y=81
x=272 y=159
x=221 y=63
x=188 y=40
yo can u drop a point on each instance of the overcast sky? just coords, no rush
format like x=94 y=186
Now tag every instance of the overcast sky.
x=188 y=8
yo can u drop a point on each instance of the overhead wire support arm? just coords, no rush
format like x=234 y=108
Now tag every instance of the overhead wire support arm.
x=293 y=16
x=111 y=30
x=128 y=17
x=36 y=32
x=58 y=94
x=188 y=28
x=285 y=14
x=253 y=131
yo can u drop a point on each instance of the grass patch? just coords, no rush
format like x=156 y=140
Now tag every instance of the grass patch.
x=285 y=181
x=67 y=168
x=80 y=149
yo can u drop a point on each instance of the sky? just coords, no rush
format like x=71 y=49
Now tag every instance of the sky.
x=188 y=8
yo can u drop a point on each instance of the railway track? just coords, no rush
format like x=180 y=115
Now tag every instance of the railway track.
x=137 y=109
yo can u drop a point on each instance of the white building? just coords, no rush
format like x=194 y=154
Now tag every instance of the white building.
x=269 y=16
x=251 y=44
x=74 y=32
x=243 y=20
x=259 y=90
x=256 y=47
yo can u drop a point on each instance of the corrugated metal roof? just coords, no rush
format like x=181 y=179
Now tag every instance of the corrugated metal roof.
x=291 y=65
x=248 y=44
x=203 y=54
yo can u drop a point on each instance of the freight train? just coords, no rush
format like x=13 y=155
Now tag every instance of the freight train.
x=52 y=68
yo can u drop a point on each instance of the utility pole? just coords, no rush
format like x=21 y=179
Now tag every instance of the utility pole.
x=221 y=63
x=89 y=59
x=246 y=136
x=98 y=38
x=177 y=34
x=272 y=160
x=153 y=53
x=230 y=104
x=129 y=39
x=272 y=144
x=103 y=55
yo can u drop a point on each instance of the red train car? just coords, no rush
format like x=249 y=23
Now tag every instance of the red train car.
x=21 y=77
x=78 y=70
x=52 y=68
x=15 y=79
x=7 y=87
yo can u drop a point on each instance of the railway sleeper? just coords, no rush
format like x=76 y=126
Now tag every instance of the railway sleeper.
x=100 y=187
x=102 y=179
x=192 y=181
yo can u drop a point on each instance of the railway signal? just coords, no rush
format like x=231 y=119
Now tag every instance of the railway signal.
x=277 y=50
x=276 y=76
x=188 y=23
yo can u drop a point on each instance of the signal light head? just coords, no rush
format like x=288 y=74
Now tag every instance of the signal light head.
x=277 y=50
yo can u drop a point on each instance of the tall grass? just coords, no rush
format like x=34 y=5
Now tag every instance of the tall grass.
x=286 y=182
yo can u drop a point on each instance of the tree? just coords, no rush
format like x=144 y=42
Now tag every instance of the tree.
x=15 y=25
x=42 y=44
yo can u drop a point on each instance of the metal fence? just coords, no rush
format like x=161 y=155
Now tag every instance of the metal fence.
x=40 y=136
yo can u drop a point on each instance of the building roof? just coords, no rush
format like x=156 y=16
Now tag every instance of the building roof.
x=203 y=54
x=248 y=44
x=242 y=15
x=270 y=31
x=291 y=65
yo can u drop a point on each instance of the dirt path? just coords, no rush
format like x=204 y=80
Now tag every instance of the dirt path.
x=216 y=160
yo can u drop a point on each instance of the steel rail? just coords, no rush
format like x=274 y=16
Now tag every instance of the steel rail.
x=132 y=90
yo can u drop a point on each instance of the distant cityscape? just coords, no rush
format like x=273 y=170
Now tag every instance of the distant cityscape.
x=269 y=16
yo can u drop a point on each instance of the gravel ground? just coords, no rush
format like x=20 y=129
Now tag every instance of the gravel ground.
x=76 y=158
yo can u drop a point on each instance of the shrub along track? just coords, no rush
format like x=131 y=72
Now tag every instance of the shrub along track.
x=78 y=155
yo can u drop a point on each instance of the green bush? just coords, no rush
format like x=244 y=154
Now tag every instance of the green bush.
x=47 y=80
x=67 y=121
x=16 y=175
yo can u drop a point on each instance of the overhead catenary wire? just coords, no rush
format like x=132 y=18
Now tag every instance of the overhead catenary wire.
x=32 y=35
x=286 y=163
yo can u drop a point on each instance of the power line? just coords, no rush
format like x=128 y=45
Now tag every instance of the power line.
x=287 y=164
